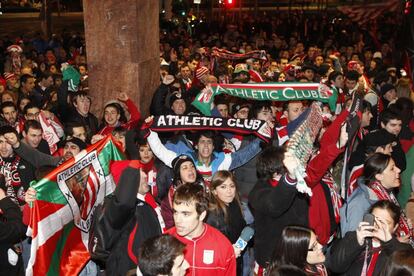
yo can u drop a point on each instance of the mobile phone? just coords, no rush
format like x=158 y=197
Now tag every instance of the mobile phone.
x=369 y=218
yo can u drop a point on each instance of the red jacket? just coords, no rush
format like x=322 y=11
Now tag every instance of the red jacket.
x=319 y=218
x=133 y=121
x=209 y=254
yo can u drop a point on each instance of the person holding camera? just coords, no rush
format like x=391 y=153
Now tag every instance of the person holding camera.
x=366 y=250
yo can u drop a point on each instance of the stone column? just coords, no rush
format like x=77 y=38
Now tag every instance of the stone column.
x=122 y=44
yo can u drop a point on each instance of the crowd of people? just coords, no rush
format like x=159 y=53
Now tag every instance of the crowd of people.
x=183 y=198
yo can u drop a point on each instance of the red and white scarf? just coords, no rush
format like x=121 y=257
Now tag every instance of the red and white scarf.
x=404 y=227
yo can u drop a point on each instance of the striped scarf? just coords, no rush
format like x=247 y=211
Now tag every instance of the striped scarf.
x=404 y=227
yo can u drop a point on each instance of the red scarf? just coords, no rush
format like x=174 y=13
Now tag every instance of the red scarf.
x=404 y=228
x=335 y=197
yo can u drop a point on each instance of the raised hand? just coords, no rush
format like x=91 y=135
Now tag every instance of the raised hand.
x=12 y=139
x=123 y=97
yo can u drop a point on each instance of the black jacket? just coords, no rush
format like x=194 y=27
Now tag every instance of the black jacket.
x=136 y=220
x=273 y=209
x=346 y=256
x=231 y=229
x=12 y=230
x=68 y=114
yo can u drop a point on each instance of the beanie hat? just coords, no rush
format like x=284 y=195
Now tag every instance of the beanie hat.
x=237 y=107
x=379 y=138
x=81 y=144
x=175 y=96
x=8 y=76
x=200 y=72
x=14 y=48
x=386 y=87
x=178 y=161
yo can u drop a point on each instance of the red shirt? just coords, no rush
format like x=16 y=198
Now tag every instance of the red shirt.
x=209 y=254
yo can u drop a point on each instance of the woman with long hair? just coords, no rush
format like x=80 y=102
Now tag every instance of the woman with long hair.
x=225 y=213
x=367 y=250
x=381 y=176
x=299 y=246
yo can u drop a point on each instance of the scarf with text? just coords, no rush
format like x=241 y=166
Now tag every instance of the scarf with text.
x=244 y=126
x=283 y=91
x=13 y=183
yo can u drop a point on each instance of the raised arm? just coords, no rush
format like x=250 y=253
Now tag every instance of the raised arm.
x=158 y=148
x=33 y=156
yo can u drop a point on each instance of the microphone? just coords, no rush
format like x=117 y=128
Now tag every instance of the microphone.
x=244 y=238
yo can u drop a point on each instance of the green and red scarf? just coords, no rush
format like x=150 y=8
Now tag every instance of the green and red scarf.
x=284 y=91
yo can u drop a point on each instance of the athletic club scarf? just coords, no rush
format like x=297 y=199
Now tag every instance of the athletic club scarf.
x=244 y=126
x=404 y=227
x=60 y=218
x=283 y=91
x=13 y=182
x=225 y=54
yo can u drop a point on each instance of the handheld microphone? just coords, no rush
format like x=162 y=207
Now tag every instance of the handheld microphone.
x=244 y=238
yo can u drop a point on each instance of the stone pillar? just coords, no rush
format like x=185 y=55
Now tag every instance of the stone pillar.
x=122 y=44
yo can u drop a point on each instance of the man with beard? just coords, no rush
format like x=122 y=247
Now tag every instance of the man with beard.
x=9 y=116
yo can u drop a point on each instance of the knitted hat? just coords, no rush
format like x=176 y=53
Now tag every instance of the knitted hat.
x=178 y=161
x=237 y=107
x=81 y=144
x=379 y=138
x=175 y=96
x=8 y=76
x=200 y=72
x=14 y=48
x=386 y=87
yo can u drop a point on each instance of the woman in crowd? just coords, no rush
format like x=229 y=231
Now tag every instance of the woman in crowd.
x=225 y=211
x=299 y=247
x=184 y=173
x=366 y=250
x=114 y=115
x=381 y=175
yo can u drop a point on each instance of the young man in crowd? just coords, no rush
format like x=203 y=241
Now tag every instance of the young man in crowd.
x=208 y=251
